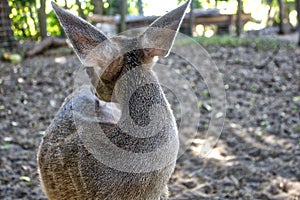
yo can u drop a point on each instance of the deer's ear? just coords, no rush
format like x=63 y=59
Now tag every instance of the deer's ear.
x=158 y=38
x=83 y=36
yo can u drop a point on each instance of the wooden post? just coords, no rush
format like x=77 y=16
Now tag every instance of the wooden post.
x=140 y=6
x=42 y=19
x=98 y=7
x=191 y=19
x=281 y=16
x=239 y=18
x=298 y=19
x=122 y=23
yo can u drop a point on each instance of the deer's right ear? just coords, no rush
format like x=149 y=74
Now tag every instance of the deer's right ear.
x=158 y=38
x=83 y=36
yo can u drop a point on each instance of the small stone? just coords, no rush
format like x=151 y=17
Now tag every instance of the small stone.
x=190 y=184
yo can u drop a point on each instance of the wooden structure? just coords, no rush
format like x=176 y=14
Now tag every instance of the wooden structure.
x=132 y=21
x=213 y=17
x=7 y=39
x=204 y=17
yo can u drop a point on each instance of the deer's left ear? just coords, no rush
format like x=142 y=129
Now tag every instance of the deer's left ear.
x=83 y=36
x=158 y=38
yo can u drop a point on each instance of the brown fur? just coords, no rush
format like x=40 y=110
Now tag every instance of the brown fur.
x=68 y=170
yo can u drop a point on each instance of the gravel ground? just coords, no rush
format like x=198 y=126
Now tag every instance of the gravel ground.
x=256 y=157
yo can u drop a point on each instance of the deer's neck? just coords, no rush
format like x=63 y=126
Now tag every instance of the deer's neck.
x=146 y=121
x=142 y=98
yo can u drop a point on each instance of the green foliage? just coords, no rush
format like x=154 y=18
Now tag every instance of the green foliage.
x=87 y=7
x=229 y=41
x=197 y=3
x=113 y=7
x=53 y=26
x=132 y=7
x=24 y=15
x=26 y=179
x=24 y=18
x=4 y=146
x=25 y=23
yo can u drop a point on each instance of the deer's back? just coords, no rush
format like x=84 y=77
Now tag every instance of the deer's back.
x=69 y=171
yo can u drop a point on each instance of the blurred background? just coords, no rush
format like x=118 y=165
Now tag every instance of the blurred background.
x=254 y=44
x=34 y=20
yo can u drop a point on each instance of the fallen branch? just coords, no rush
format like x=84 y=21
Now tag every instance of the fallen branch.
x=46 y=43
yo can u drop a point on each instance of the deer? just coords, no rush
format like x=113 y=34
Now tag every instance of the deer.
x=115 y=137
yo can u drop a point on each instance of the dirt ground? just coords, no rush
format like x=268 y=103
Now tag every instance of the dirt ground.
x=256 y=157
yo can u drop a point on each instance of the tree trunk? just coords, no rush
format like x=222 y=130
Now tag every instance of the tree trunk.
x=66 y=5
x=140 y=6
x=239 y=18
x=98 y=7
x=42 y=19
x=123 y=15
x=281 y=16
x=191 y=19
x=298 y=18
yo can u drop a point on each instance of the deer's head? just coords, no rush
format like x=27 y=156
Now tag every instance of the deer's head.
x=107 y=59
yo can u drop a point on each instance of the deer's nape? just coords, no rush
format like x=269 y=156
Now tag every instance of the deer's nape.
x=69 y=157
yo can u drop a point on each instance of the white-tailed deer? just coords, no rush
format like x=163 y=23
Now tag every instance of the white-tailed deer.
x=117 y=138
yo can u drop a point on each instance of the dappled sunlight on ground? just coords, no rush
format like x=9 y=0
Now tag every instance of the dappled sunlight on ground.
x=257 y=155
x=60 y=60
